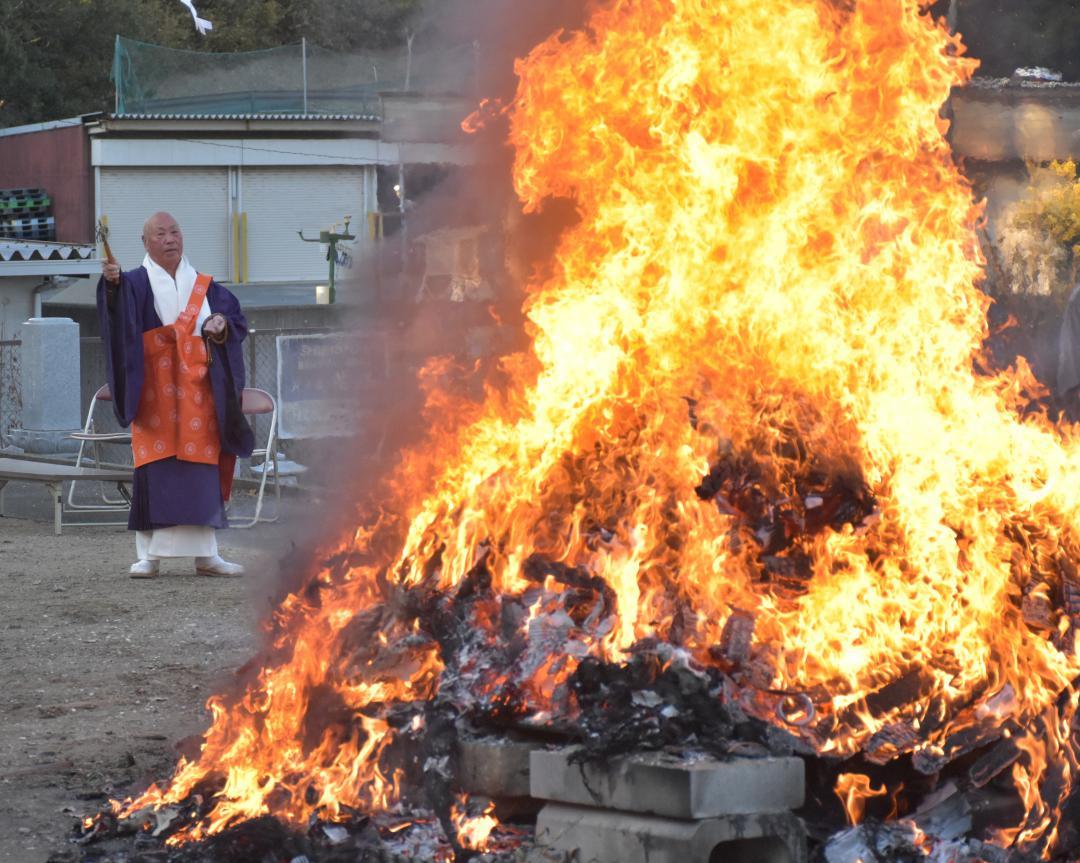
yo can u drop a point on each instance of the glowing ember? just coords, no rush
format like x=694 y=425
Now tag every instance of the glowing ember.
x=773 y=233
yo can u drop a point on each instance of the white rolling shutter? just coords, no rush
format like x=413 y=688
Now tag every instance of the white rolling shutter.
x=281 y=201
x=197 y=199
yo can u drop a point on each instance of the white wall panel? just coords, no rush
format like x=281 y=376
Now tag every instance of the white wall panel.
x=195 y=151
x=197 y=199
x=279 y=202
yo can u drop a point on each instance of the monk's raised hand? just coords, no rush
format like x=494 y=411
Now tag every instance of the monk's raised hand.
x=111 y=272
x=215 y=328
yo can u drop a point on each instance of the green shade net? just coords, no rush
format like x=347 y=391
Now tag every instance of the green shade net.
x=152 y=79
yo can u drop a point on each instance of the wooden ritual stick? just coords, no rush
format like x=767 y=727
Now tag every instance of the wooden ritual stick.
x=102 y=236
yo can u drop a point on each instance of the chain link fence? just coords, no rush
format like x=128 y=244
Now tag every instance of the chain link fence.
x=10 y=387
x=260 y=365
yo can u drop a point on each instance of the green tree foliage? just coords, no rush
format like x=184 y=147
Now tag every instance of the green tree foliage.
x=334 y=24
x=56 y=55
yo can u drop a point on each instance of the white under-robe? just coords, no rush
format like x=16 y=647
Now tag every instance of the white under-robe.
x=183 y=540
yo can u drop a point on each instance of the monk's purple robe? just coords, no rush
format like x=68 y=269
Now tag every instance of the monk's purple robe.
x=170 y=492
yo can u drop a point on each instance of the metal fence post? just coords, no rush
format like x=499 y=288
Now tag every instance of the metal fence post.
x=303 y=63
x=252 y=376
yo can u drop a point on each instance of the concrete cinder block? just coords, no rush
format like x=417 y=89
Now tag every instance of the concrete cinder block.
x=495 y=766
x=676 y=787
x=603 y=836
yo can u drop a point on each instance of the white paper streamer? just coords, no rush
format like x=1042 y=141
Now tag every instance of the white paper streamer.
x=201 y=24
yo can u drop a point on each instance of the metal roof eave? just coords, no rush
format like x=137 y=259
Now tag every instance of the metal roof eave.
x=31 y=128
x=77 y=267
x=199 y=124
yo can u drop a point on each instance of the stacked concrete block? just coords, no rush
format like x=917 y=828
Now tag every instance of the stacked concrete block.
x=495 y=766
x=657 y=808
x=603 y=835
x=498 y=768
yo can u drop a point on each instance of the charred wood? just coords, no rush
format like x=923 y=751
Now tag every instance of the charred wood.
x=891 y=741
x=736 y=640
x=1039 y=613
x=1000 y=756
x=643 y=706
x=906 y=689
x=538 y=568
x=945 y=832
x=933 y=758
x=440 y=754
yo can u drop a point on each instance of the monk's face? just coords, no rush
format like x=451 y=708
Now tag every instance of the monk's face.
x=163 y=241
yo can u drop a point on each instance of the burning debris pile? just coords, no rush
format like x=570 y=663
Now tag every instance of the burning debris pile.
x=946 y=796
x=379 y=838
x=752 y=491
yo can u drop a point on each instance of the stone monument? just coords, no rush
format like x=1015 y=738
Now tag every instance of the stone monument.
x=51 y=402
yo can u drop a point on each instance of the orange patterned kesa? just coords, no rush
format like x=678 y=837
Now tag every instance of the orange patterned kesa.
x=176 y=415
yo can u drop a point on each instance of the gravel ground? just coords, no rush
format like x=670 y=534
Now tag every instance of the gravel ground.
x=101 y=675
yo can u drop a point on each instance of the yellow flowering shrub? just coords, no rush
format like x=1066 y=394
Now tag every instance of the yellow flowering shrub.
x=1039 y=235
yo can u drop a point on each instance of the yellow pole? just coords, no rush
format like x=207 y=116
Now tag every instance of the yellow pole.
x=236 y=246
x=243 y=248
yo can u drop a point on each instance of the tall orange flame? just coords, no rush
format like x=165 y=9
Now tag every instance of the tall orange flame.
x=773 y=229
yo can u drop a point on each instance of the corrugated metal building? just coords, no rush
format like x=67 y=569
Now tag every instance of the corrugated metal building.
x=54 y=156
x=241 y=185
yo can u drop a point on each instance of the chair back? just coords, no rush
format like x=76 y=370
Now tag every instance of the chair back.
x=104 y=394
x=256 y=401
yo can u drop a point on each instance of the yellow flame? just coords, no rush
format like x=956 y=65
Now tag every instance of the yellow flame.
x=473 y=830
x=854 y=789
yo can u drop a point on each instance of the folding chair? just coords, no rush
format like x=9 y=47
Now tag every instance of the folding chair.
x=89 y=435
x=255 y=402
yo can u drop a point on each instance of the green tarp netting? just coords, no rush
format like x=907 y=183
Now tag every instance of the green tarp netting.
x=293 y=79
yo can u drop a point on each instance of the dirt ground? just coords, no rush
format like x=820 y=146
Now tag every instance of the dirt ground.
x=100 y=674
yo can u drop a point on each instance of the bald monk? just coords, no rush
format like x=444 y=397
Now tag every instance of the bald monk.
x=176 y=372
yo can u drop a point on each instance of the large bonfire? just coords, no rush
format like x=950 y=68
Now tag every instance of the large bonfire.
x=775 y=277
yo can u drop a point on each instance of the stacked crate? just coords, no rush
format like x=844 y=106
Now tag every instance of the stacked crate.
x=24 y=215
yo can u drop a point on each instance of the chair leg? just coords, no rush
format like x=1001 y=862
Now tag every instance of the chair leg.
x=277 y=488
x=269 y=457
x=56 y=489
x=78 y=463
x=262 y=491
x=258 y=504
x=111 y=501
